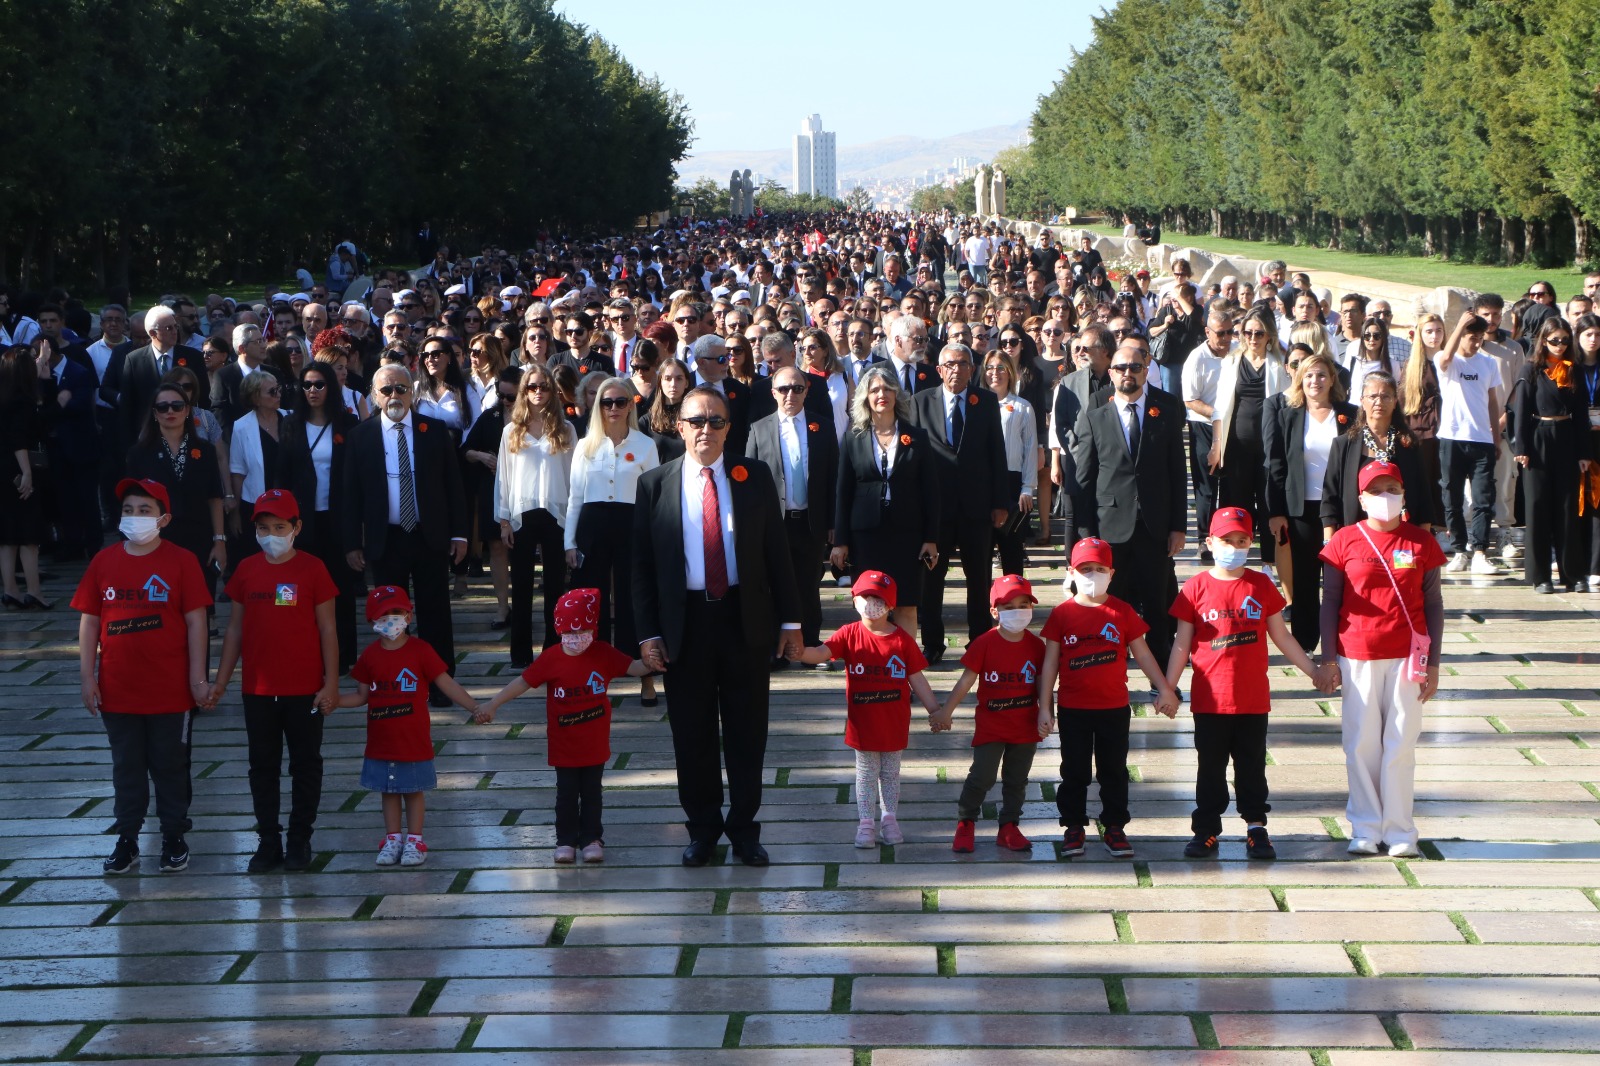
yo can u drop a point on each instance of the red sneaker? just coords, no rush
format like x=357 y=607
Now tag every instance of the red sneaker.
x=1116 y=842
x=1072 y=841
x=966 y=836
x=1011 y=837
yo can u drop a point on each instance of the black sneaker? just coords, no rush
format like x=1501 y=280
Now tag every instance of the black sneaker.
x=268 y=856
x=124 y=857
x=1201 y=847
x=297 y=856
x=174 y=854
x=1072 y=841
x=1116 y=842
x=1259 y=844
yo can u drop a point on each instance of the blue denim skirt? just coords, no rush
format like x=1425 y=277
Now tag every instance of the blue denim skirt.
x=404 y=777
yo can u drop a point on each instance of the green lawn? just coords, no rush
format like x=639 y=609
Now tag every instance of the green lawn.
x=1510 y=282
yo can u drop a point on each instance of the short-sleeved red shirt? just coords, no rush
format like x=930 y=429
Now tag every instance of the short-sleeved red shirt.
x=877 y=685
x=577 y=708
x=280 y=645
x=140 y=601
x=397 y=699
x=1372 y=623
x=1094 y=652
x=1008 y=687
x=1230 y=641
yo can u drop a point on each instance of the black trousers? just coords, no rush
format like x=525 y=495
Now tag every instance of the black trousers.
x=1218 y=738
x=578 y=809
x=271 y=722
x=322 y=540
x=111 y=464
x=604 y=537
x=1100 y=736
x=1144 y=577
x=1201 y=479
x=805 y=559
x=974 y=535
x=150 y=749
x=1550 y=505
x=1244 y=484
x=718 y=677
x=77 y=504
x=1461 y=461
x=407 y=562
x=540 y=533
x=1009 y=537
x=1305 y=543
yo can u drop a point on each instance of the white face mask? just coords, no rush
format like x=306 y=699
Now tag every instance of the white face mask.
x=390 y=626
x=1093 y=585
x=1228 y=557
x=275 y=547
x=1385 y=507
x=140 y=529
x=871 y=608
x=576 y=643
x=1016 y=620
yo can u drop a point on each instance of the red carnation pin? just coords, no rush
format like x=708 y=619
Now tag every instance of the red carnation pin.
x=812 y=426
x=1344 y=419
x=972 y=399
x=194 y=453
x=905 y=438
x=422 y=427
x=338 y=438
x=1152 y=411
x=738 y=473
x=627 y=457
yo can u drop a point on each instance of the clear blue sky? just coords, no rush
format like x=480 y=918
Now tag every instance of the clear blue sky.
x=751 y=71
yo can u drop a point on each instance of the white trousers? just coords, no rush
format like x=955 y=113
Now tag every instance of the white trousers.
x=1382 y=718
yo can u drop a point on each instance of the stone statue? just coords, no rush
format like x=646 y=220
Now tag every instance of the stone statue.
x=735 y=196
x=749 y=194
x=997 y=194
x=980 y=189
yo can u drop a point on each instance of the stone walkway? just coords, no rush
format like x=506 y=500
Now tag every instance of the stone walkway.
x=906 y=956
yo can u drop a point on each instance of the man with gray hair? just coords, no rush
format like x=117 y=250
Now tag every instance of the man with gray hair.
x=132 y=377
x=777 y=352
x=708 y=362
x=908 y=344
x=227 y=387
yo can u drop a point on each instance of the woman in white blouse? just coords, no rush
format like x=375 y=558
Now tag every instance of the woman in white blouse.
x=819 y=358
x=1020 y=430
x=599 y=527
x=530 y=503
x=488 y=359
x=253 y=452
x=439 y=386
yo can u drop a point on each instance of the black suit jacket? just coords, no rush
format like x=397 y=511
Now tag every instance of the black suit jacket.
x=977 y=472
x=914 y=480
x=227 y=392
x=819 y=405
x=131 y=381
x=1152 y=488
x=822 y=467
x=1341 y=497
x=298 y=474
x=739 y=417
x=1283 y=432
x=927 y=376
x=767 y=596
x=70 y=430
x=441 y=503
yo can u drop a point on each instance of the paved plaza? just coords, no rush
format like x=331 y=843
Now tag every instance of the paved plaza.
x=906 y=956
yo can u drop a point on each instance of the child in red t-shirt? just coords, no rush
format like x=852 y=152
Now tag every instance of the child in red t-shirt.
x=282 y=622
x=1004 y=663
x=1087 y=639
x=577 y=719
x=1230 y=610
x=396 y=672
x=883 y=666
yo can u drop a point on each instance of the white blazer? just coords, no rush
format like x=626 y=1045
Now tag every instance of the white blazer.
x=244 y=455
x=1277 y=374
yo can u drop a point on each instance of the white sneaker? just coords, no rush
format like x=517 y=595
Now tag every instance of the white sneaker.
x=566 y=855
x=1458 y=563
x=389 y=854
x=1482 y=565
x=1509 y=552
x=1404 y=850
x=415 y=852
x=867 y=834
x=890 y=832
x=1594 y=582
x=1362 y=846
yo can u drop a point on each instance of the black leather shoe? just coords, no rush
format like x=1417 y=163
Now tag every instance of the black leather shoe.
x=268 y=856
x=1544 y=588
x=933 y=655
x=698 y=853
x=751 y=854
x=297 y=856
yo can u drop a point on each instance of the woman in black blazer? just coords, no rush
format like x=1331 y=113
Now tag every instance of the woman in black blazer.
x=887 y=512
x=1375 y=433
x=1300 y=427
x=311 y=458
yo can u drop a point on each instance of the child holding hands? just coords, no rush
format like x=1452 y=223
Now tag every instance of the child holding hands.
x=577 y=717
x=883 y=666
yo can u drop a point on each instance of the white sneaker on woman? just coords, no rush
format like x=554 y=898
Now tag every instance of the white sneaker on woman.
x=1482 y=566
x=1404 y=850
x=1362 y=846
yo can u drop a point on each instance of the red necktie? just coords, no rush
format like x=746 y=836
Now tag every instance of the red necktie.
x=711 y=532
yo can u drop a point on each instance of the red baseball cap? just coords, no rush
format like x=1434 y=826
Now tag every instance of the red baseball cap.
x=1373 y=471
x=386 y=598
x=578 y=611
x=1008 y=585
x=874 y=583
x=279 y=503
x=153 y=489
x=1091 y=550
x=1232 y=520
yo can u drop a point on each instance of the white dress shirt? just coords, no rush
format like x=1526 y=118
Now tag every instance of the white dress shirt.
x=885 y=458
x=952 y=400
x=534 y=478
x=610 y=476
x=694 y=545
x=792 y=441
x=1200 y=373
x=1021 y=434
x=100 y=355
x=391 y=462
x=319 y=439
x=1120 y=404
x=1317 y=442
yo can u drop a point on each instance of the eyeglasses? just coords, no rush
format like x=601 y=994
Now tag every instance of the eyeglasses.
x=685 y=321
x=1054 y=332
x=1129 y=368
x=533 y=320
x=1371 y=335
x=1010 y=342
x=394 y=390
x=473 y=318
x=313 y=386
x=1220 y=332
x=788 y=389
x=431 y=352
x=538 y=386
x=273 y=391
x=1255 y=333
x=354 y=321
x=703 y=421
x=408 y=307
x=956 y=364
x=577 y=331
x=1563 y=341
x=615 y=402
x=167 y=407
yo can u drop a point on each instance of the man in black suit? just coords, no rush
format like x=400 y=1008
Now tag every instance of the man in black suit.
x=708 y=363
x=856 y=354
x=963 y=427
x=1129 y=452
x=1074 y=394
x=227 y=387
x=908 y=346
x=404 y=511
x=712 y=596
x=132 y=377
x=802 y=452
x=72 y=441
x=777 y=352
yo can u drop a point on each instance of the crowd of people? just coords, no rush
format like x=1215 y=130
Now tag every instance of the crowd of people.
x=535 y=417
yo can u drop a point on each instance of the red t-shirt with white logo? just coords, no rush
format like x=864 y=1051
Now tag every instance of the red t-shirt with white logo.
x=1008 y=687
x=397 y=699
x=1094 y=643
x=877 y=685
x=280 y=644
x=144 y=640
x=1230 y=641
x=577 y=708
x=1372 y=623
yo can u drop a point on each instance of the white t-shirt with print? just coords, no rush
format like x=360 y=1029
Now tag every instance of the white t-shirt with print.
x=1464 y=397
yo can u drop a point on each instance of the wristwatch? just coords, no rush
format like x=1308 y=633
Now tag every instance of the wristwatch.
x=218 y=538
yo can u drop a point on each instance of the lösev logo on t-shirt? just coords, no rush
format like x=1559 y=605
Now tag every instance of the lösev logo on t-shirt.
x=895 y=667
x=1248 y=611
x=154 y=590
x=1025 y=676
x=284 y=594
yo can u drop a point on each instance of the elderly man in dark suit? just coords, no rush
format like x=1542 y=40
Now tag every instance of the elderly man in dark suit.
x=1074 y=394
x=227 y=385
x=405 y=513
x=963 y=427
x=1129 y=452
x=131 y=378
x=72 y=440
x=803 y=454
x=715 y=595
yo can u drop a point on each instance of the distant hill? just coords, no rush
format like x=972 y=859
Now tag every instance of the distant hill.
x=887 y=160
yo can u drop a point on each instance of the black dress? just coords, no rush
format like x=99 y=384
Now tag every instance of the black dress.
x=477 y=479
x=887 y=534
x=21 y=521
x=192 y=480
